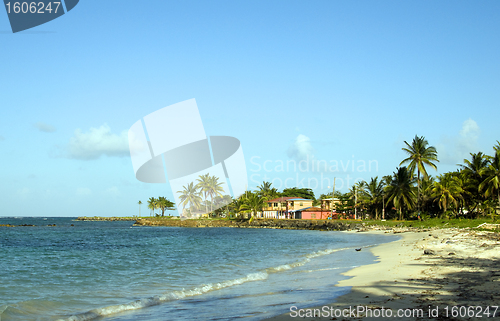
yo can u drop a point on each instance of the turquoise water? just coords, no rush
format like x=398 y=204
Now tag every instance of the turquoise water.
x=113 y=271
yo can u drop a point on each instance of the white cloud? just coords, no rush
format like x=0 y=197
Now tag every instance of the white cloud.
x=453 y=150
x=97 y=142
x=46 y=128
x=469 y=135
x=301 y=148
x=83 y=191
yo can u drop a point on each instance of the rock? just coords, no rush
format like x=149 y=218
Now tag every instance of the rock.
x=429 y=252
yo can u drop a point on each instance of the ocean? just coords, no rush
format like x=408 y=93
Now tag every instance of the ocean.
x=112 y=271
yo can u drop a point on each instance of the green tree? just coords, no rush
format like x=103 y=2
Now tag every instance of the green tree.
x=214 y=189
x=152 y=204
x=491 y=183
x=140 y=202
x=253 y=203
x=401 y=190
x=420 y=155
x=372 y=195
x=203 y=186
x=267 y=191
x=190 y=196
x=306 y=193
x=472 y=175
x=447 y=191
x=164 y=204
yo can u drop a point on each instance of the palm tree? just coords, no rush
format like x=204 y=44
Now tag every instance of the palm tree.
x=152 y=204
x=214 y=189
x=265 y=190
x=372 y=193
x=401 y=190
x=190 y=196
x=472 y=172
x=447 y=191
x=252 y=203
x=419 y=156
x=491 y=183
x=164 y=204
x=140 y=202
x=354 y=191
x=204 y=186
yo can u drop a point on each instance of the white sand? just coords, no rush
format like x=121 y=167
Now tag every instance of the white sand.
x=405 y=278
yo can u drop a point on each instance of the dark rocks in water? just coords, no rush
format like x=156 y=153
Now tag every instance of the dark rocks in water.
x=321 y=225
x=26 y=225
x=51 y=225
x=429 y=252
x=357 y=250
x=112 y=219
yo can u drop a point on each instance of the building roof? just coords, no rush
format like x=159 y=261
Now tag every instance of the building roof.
x=315 y=209
x=300 y=210
x=288 y=198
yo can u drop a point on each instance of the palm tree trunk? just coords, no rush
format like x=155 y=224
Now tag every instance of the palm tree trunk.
x=498 y=206
x=418 y=192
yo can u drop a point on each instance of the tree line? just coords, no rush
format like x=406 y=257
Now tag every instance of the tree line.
x=471 y=191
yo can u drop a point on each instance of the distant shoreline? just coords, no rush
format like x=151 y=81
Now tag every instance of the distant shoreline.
x=100 y=218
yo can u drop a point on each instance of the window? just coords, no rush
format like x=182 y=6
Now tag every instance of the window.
x=313 y=215
x=275 y=204
x=301 y=204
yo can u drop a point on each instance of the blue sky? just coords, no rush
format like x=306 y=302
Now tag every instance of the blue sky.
x=310 y=81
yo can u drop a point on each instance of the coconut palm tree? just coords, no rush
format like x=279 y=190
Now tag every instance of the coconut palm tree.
x=265 y=190
x=491 y=183
x=419 y=155
x=203 y=186
x=372 y=194
x=357 y=190
x=164 y=204
x=190 y=196
x=401 y=190
x=472 y=175
x=253 y=203
x=140 y=202
x=214 y=189
x=152 y=204
x=447 y=191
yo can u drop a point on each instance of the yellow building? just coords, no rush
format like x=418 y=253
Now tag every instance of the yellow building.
x=327 y=203
x=285 y=207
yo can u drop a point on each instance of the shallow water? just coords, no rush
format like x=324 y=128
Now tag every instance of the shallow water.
x=113 y=271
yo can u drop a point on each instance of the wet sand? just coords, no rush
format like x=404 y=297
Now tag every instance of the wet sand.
x=461 y=269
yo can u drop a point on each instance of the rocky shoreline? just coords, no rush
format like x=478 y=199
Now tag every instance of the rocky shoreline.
x=99 y=218
x=322 y=225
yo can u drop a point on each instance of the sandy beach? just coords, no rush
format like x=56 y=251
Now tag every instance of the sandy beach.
x=457 y=279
